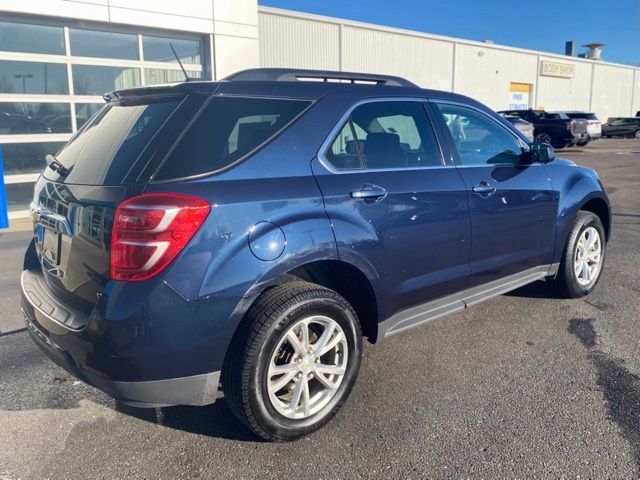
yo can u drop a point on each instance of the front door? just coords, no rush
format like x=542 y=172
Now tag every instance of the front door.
x=513 y=219
x=398 y=211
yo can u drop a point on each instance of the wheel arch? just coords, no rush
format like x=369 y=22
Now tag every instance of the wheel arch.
x=344 y=278
x=599 y=207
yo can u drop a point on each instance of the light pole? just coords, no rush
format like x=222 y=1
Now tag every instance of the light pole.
x=24 y=77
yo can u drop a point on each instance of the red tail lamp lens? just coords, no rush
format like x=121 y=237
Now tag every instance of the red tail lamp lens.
x=150 y=230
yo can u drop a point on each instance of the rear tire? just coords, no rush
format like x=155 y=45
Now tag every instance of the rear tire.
x=272 y=381
x=583 y=144
x=583 y=257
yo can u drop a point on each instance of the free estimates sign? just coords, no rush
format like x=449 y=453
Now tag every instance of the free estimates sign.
x=519 y=96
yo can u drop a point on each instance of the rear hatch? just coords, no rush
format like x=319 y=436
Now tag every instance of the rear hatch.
x=109 y=159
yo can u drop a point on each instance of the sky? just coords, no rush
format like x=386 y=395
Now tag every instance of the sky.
x=534 y=24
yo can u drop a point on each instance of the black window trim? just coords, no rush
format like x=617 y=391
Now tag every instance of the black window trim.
x=152 y=179
x=346 y=117
x=505 y=126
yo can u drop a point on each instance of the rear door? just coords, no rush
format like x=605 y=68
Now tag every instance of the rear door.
x=512 y=205
x=398 y=210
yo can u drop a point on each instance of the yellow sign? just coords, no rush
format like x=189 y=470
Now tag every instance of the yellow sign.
x=557 y=69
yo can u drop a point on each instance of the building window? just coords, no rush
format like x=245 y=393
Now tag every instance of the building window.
x=97 y=80
x=25 y=158
x=33 y=78
x=25 y=118
x=22 y=37
x=158 y=49
x=90 y=43
x=155 y=76
x=50 y=89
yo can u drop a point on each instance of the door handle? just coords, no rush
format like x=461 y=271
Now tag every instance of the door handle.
x=484 y=189
x=369 y=193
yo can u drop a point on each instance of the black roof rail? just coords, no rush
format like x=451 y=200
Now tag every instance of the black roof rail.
x=298 y=75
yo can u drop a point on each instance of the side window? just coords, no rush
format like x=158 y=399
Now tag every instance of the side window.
x=344 y=152
x=386 y=135
x=478 y=139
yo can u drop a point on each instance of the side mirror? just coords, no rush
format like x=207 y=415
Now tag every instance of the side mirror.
x=541 y=152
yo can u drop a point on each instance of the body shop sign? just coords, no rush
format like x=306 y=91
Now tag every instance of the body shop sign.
x=557 y=69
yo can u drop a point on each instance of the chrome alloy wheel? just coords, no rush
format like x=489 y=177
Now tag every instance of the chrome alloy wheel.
x=307 y=367
x=587 y=260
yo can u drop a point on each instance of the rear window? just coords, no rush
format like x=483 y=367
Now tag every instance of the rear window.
x=227 y=130
x=108 y=145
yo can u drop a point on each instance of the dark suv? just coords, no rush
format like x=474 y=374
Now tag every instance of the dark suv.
x=251 y=232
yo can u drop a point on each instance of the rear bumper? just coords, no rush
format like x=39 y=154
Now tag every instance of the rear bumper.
x=193 y=390
x=157 y=359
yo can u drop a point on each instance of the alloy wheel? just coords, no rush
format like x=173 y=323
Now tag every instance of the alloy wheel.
x=588 y=257
x=307 y=367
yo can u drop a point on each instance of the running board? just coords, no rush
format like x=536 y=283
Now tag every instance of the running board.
x=414 y=316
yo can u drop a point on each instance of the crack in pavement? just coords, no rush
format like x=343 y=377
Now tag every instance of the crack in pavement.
x=620 y=388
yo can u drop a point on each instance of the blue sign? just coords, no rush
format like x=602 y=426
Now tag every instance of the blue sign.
x=4 y=206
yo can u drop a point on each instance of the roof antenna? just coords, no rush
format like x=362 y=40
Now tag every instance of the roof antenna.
x=186 y=77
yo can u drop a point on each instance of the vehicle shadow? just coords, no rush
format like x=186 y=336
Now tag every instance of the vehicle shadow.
x=539 y=289
x=211 y=420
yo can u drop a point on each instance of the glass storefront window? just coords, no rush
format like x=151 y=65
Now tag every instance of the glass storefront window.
x=21 y=158
x=23 y=37
x=33 y=77
x=19 y=196
x=21 y=118
x=84 y=111
x=154 y=76
x=98 y=80
x=158 y=49
x=91 y=43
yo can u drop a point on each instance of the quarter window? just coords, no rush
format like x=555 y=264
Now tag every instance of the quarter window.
x=478 y=139
x=386 y=135
x=228 y=129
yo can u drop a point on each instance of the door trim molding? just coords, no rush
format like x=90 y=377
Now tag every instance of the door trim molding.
x=420 y=314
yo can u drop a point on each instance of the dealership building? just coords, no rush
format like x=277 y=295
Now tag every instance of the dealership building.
x=57 y=58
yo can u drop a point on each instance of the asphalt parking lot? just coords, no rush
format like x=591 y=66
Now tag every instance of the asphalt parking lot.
x=523 y=385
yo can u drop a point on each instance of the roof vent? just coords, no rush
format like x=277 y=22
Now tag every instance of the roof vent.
x=594 y=50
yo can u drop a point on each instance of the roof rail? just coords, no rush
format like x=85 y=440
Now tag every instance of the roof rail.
x=301 y=75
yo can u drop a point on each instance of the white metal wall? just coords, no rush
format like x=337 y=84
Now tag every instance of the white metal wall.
x=366 y=49
x=485 y=73
x=480 y=70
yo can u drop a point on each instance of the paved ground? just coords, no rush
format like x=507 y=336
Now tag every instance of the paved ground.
x=521 y=386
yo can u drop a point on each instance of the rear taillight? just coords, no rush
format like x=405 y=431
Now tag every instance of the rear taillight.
x=149 y=230
x=570 y=126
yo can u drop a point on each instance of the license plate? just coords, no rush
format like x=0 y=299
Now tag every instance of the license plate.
x=50 y=245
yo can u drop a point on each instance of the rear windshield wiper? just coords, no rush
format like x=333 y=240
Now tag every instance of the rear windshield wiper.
x=56 y=166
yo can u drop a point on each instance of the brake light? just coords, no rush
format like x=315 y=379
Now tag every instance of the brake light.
x=150 y=230
x=570 y=126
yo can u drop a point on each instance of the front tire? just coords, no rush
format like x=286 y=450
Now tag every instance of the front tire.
x=294 y=361
x=583 y=258
x=637 y=134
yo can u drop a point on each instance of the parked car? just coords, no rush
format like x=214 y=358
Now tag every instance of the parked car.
x=551 y=128
x=594 y=126
x=622 y=127
x=252 y=231
x=526 y=128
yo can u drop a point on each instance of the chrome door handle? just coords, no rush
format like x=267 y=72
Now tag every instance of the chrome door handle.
x=369 y=192
x=484 y=189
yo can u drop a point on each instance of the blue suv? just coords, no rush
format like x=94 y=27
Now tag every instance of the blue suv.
x=246 y=234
